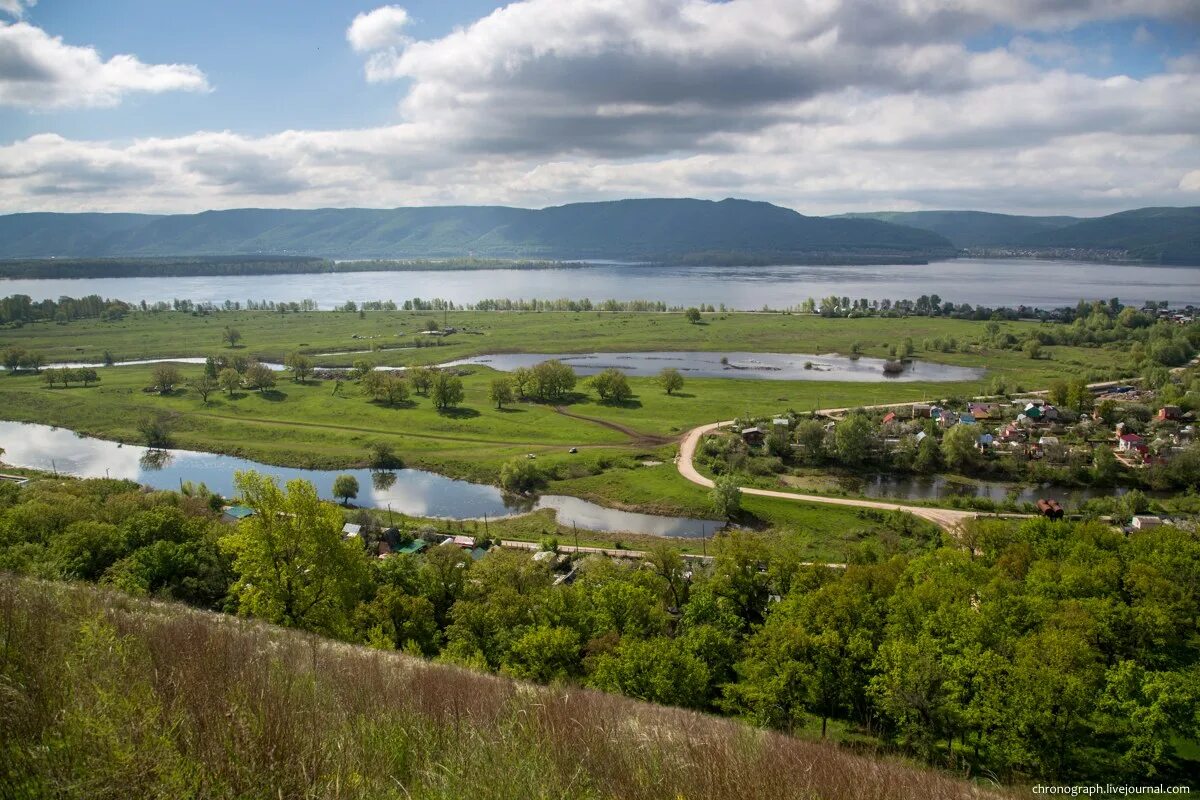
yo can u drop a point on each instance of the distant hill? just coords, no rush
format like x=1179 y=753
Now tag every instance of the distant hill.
x=971 y=228
x=672 y=230
x=1149 y=235
x=1155 y=235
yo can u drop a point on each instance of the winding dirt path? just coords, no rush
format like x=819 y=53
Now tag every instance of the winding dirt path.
x=946 y=518
x=639 y=438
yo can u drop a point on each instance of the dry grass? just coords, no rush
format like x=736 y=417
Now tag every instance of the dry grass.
x=105 y=696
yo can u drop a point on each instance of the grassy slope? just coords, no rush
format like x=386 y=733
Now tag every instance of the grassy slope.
x=112 y=697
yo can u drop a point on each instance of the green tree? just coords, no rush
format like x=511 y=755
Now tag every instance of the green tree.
x=520 y=475
x=659 y=670
x=300 y=365
x=230 y=380
x=853 y=438
x=385 y=387
x=1032 y=348
x=552 y=380
x=447 y=390
x=612 y=386
x=958 y=448
x=522 y=381
x=231 y=336
x=345 y=487
x=292 y=566
x=670 y=380
x=929 y=456
x=726 y=497
x=501 y=391
x=692 y=315
x=203 y=386
x=403 y=621
x=544 y=654
x=165 y=377
x=1105 y=467
x=259 y=376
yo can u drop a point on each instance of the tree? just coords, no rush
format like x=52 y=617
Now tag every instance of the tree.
x=692 y=315
x=929 y=456
x=1105 y=467
x=447 y=390
x=259 y=376
x=520 y=475
x=544 y=654
x=552 y=380
x=345 y=487
x=1032 y=348
x=501 y=391
x=292 y=566
x=87 y=375
x=300 y=365
x=853 y=438
x=522 y=380
x=203 y=386
x=386 y=387
x=165 y=377
x=156 y=429
x=726 y=497
x=361 y=369
x=422 y=379
x=659 y=670
x=231 y=336
x=670 y=380
x=230 y=379
x=612 y=386
x=810 y=435
x=958 y=448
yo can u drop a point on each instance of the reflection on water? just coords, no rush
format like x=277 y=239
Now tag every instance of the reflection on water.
x=408 y=491
x=730 y=364
x=939 y=487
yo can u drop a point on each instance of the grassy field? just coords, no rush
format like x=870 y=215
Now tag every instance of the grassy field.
x=308 y=425
x=269 y=336
x=112 y=697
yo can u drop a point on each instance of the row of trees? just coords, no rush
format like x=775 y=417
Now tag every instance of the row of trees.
x=19 y=309
x=1040 y=651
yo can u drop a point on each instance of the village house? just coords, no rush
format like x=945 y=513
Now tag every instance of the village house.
x=1170 y=414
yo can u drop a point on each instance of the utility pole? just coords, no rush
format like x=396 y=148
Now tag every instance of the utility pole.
x=486 y=534
x=576 y=529
x=390 y=525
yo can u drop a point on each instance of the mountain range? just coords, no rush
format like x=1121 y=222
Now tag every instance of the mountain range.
x=657 y=230
x=1150 y=235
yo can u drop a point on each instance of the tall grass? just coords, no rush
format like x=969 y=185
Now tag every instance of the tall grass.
x=105 y=696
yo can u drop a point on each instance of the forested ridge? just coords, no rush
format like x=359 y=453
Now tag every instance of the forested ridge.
x=1042 y=651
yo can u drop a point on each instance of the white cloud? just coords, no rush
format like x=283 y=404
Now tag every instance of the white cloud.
x=39 y=71
x=822 y=105
x=16 y=8
x=378 y=29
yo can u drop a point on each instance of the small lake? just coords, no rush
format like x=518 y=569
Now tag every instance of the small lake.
x=413 y=492
x=759 y=366
x=939 y=487
x=989 y=282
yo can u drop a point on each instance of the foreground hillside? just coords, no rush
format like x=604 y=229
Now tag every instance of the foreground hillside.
x=105 y=696
x=653 y=230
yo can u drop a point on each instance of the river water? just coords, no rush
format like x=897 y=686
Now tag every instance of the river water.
x=989 y=282
x=413 y=492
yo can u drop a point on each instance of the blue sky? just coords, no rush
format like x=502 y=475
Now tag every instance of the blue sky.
x=1023 y=106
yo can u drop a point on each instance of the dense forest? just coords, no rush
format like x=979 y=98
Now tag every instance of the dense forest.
x=1041 y=650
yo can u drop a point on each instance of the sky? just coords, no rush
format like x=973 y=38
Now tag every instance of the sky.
x=1024 y=106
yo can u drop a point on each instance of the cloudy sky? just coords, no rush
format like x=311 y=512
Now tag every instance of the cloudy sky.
x=1027 y=106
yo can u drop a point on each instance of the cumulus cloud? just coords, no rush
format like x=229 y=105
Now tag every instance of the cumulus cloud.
x=822 y=105
x=39 y=71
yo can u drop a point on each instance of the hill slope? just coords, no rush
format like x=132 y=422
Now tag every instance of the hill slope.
x=1150 y=235
x=654 y=230
x=1157 y=235
x=106 y=696
x=972 y=228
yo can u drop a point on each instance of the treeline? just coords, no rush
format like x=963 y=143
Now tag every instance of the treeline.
x=932 y=305
x=19 y=309
x=432 y=265
x=1046 y=651
x=42 y=268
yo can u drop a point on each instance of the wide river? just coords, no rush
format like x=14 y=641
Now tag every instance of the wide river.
x=988 y=282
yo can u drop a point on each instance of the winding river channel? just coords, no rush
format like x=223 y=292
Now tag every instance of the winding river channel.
x=413 y=492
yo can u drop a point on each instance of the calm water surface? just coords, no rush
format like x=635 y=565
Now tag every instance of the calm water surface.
x=990 y=282
x=728 y=364
x=407 y=491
